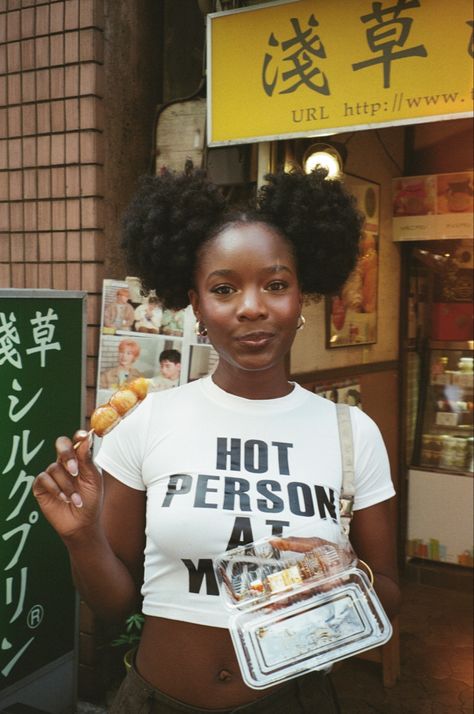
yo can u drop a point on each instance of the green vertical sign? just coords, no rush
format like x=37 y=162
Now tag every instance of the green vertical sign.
x=42 y=358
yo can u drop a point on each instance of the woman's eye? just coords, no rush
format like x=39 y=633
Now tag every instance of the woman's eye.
x=277 y=285
x=222 y=290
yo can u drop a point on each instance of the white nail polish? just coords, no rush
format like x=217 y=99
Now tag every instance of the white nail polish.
x=76 y=500
x=72 y=467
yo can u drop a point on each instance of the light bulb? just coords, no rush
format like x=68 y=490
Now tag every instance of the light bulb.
x=325 y=160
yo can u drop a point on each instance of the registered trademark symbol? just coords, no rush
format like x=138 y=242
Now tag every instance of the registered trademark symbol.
x=35 y=616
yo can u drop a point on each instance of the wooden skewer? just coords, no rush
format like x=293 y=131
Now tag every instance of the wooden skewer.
x=89 y=437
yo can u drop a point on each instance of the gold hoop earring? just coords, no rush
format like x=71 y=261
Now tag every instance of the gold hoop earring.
x=301 y=324
x=200 y=329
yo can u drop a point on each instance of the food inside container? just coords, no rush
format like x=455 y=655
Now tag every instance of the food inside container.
x=293 y=611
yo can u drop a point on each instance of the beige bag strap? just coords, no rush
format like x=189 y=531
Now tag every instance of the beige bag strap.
x=346 y=500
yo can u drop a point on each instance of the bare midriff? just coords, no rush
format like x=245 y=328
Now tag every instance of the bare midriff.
x=195 y=664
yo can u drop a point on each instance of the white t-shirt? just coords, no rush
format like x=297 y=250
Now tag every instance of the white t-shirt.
x=221 y=471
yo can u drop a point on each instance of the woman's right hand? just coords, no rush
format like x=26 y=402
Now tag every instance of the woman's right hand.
x=70 y=491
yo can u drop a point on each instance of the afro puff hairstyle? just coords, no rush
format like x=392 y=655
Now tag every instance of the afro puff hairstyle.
x=172 y=216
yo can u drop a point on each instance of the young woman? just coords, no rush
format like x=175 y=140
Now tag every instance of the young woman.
x=197 y=470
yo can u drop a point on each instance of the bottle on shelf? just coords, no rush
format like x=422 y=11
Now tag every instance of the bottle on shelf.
x=438 y=370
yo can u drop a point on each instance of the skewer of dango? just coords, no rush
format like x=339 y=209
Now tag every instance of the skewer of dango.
x=106 y=416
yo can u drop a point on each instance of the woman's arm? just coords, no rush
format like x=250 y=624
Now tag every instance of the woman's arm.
x=102 y=524
x=372 y=536
x=107 y=564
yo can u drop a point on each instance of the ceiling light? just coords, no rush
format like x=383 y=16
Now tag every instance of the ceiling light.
x=324 y=155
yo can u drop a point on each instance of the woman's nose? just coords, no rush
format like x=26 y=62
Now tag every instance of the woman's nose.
x=252 y=305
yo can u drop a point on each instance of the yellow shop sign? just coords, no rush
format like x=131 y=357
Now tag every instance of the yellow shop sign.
x=310 y=67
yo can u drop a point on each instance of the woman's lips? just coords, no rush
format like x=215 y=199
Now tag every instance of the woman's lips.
x=255 y=339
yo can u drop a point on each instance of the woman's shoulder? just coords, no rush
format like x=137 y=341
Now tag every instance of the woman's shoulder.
x=176 y=394
x=152 y=414
x=315 y=401
x=362 y=423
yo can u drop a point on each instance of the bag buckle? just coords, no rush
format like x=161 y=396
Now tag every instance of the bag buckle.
x=345 y=512
x=345 y=507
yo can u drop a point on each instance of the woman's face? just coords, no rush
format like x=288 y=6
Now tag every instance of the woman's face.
x=247 y=295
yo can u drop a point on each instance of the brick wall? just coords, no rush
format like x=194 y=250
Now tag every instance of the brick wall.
x=79 y=84
x=51 y=152
x=51 y=177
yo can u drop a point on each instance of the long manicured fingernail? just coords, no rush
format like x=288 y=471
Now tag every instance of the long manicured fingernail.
x=76 y=500
x=72 y=467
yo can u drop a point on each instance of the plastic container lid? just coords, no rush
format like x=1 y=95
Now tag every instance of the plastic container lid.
x=297 y=604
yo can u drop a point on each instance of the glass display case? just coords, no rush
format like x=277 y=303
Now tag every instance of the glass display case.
x=437 y=354
x=445 y=430
x=440 y=478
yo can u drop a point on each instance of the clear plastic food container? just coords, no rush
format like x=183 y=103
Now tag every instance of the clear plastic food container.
x=292 y=612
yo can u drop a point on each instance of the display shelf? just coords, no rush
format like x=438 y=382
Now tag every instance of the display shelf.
x=445 y=431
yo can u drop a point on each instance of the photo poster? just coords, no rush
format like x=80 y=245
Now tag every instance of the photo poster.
x=141 y=338
x=433 y=207
x=346 y=392
x=351 y=315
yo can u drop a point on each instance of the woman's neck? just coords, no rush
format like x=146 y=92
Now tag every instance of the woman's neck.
x=264 y=384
